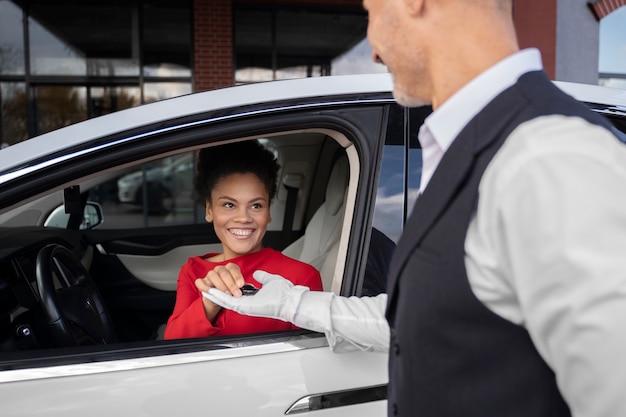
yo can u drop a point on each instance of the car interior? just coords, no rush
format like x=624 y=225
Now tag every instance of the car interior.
x=80 y=266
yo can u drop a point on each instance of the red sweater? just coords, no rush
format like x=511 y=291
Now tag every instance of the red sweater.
x=188 y=318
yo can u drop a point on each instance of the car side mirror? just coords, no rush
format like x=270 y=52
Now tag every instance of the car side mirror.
x=93 y=217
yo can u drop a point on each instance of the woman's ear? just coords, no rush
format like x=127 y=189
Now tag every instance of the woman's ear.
x=208 y=214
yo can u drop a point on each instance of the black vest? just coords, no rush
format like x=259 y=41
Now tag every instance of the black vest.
x=449 y=354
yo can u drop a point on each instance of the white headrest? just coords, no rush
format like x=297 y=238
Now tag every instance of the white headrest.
x=337 y=186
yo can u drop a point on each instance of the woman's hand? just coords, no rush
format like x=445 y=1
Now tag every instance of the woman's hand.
x=226 y=278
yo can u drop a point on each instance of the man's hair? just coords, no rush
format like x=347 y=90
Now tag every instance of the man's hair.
x=250 y=156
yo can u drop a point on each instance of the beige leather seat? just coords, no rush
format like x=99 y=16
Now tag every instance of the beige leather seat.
x=320 y=242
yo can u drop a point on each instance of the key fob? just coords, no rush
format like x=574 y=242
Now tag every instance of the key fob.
x=249 y=289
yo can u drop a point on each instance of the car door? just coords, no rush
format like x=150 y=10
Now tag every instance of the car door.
x=136 y=267
x=264 y=374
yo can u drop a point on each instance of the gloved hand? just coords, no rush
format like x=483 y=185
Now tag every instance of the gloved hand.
x=278 y=298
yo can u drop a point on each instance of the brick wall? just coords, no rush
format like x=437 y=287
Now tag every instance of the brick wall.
x=535 y=22
x=214 y=64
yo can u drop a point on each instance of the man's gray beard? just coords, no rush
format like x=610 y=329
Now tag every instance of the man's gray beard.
x=408 y=101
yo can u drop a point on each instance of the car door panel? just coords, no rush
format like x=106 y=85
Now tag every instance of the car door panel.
x=260 y=380
x=160 y=271
x=153 y=377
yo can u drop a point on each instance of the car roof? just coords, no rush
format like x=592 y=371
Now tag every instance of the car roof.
x=195 y=103
x=236 y=97
x=595 y=94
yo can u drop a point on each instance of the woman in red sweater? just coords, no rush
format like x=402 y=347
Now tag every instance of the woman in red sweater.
x=238 y=182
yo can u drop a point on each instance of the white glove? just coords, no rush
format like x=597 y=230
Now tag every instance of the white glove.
x=277 y=299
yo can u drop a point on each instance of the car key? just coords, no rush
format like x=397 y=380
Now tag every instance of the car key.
x=249 y=289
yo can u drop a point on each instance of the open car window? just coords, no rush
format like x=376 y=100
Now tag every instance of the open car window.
x=151 y=223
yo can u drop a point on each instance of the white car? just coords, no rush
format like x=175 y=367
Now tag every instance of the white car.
x=86 y=283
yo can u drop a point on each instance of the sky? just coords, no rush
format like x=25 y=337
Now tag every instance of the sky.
x=613 y=42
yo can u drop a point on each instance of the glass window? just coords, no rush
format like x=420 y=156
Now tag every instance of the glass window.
x=59 y=106
x=13 y=104
x=389 y=211
x=167 y=39
x=158 y=193
x=398 y=185
x=253 y=45
x=105 y=100
x=11 y=39
x=292 y=42
x=314 y=37
x=416 y=119
x=76 y=39
x=160 y=91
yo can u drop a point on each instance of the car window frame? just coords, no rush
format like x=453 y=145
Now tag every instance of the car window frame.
x=358 y=134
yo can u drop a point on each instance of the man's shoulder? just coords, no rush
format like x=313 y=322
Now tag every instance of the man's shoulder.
x=543 y=98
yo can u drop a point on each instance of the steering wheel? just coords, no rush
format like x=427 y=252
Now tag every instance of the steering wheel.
x=75 y=310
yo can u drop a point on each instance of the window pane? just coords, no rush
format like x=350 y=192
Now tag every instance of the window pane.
x=154 y=194
x=415 y=175
x=167 y=39
x=334 y=33
x=388 y=213
x=161 y=91
x=277 y=43
x=253 y=39
x=60 y=106
x=94 y=40
x=253 y=75
x=105 y=100
x=13 y=128
x=11 y=39
x=416 y=120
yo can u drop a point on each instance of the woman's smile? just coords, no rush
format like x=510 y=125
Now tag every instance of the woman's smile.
x=240 y=212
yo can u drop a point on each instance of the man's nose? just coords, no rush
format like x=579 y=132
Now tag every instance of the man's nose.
x=377 y=58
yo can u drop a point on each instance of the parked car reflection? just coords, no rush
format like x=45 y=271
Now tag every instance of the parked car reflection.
x=161 y=186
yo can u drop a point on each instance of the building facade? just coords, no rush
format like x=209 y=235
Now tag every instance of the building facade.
x=63 y=61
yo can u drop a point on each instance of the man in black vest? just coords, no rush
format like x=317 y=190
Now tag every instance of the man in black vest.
x=507 y=294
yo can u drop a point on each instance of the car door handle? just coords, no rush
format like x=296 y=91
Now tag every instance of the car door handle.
x=338 y=399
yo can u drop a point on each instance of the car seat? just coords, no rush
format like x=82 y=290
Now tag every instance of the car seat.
x=320 y=243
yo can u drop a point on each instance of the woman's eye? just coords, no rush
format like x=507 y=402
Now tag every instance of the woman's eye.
x=257 y=206
x=229 y=205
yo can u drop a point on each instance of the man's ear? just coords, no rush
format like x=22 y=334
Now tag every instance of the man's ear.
x=208 y=213
x=415 y=7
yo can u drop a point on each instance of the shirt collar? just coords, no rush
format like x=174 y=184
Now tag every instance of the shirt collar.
x=450 y=118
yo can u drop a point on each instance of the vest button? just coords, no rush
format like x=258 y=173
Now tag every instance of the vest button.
x=396 y=349
x=394 y=409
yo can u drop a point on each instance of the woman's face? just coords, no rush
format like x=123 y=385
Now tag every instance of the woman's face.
x=239 y=209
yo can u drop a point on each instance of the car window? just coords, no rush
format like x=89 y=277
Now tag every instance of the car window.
x=157 y=193
x=400 y=172
x=389 y=212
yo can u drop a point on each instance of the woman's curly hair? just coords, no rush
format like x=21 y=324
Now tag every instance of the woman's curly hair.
x=245 y=157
